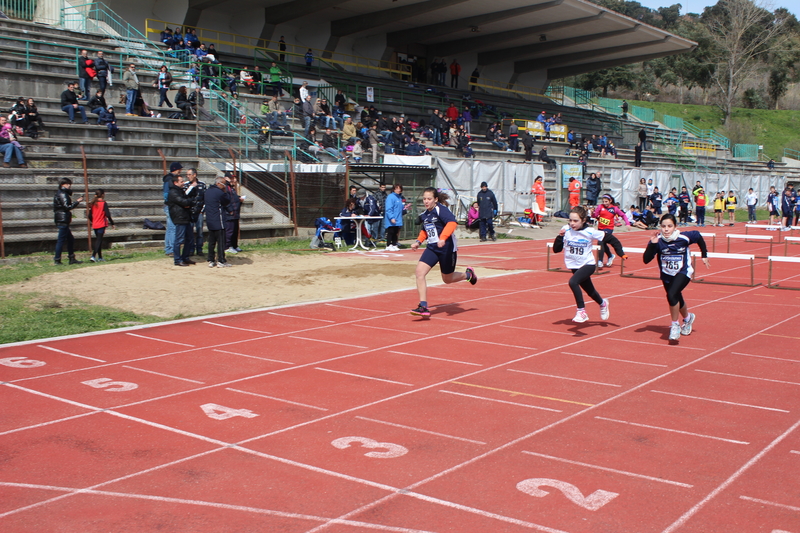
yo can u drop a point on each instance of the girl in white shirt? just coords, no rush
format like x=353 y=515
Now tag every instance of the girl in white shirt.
x=577 y=240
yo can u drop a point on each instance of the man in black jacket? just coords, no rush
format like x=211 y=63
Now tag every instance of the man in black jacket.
x=308 y=115
x=196 y=191
x=216 y=202
x=103 y=70
x=69 y=104
x=180 y=212
x=543 y=157
x=487 y=209
x=62 y=210
x=86 y=81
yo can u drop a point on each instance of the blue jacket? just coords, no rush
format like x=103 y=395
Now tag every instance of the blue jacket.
x=234 y=207
x=394 y=210
x=215 y=201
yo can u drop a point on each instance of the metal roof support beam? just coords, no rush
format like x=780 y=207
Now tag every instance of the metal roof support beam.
x=468 y=44
x=194 y=10
x=547 y=62
x=369 y=21
x=518 y=52
x=573 y=70
x=412 y=35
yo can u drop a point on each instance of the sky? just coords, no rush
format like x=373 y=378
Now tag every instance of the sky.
x=697 y=6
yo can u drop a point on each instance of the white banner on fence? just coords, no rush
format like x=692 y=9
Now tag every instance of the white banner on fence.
x=410 y=160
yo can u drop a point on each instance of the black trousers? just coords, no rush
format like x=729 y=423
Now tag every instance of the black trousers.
x=392 y=233
x=674 y=288
x=582 y=279
x=216 y=239
x=97 y=251
x=232 y=233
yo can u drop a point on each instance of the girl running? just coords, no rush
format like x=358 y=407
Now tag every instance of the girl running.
x=577 y=239
x=100 y=217
x=438 y=225
x=672 y=249
x=606 y=214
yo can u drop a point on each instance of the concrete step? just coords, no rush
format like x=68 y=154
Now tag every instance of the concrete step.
x=31 y=225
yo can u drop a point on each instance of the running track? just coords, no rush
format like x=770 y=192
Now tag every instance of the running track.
x=496 y=415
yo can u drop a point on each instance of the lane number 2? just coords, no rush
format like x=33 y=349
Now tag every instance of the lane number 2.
x=21 y=362
x=592 y=502
x=111 y=386
x=220 y=412
x=392 y=450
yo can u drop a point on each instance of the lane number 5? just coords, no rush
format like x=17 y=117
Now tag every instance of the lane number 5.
x=392 y=450
x=111 y=386
x=592 y=502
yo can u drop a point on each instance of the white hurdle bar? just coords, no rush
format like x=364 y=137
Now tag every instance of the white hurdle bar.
x=559 y=269
x=695 y=255
x=768 y=227
x=777 y=259
x=713 y=237
x=787 y=241
x=769 y=238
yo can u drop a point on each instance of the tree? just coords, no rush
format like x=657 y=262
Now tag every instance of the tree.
x=689 y=70
x=607 y=78
x=742 y=34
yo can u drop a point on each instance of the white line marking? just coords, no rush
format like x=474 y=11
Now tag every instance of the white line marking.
x=255 y=357
x=562 y=377
x=34 y=426
x=774 y=504
x=455 y=319
x=659 y=345
x=436 y=358
x=794 y=451
x=767 y=357
x=164 y=375
x=363 y=377
x=671 y=430
x=393 y=330
x=357 y=308
x=327 y=342
x=493 y=343
x=539 y=330
x=501 y=401
x=747 y=377
x=235 y=327
x=277 y=399
x=68 y=353
x=159 y=340
x=302 y=317
x=613 y=359
x=420 y=430
x=720 y=401
x=691 y=512
x=623 y=472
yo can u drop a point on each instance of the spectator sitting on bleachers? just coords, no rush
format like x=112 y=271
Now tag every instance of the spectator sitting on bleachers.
x=9 y=145
x=771 y=164
x=350 y=135
x=545 y=159
x=571 y=138
x=69 y=104
x=182 y=103
x=33 y=121
x=329 y=143
x=97 y=104
x=542 y=117
x=499 y=139
x=611 y=149
x=143 y=108
x=108 y=118
x=274 y=112
x=414 y=147
x=167 y=38
x=247 y=80
x=398 y=140
x=191 y=42
x=212 y=51
x=177 y=39
x=197 y=100
x=17 y=117
x=201 y=51
x=358 y=151
x=323 y=118
x=557 y=119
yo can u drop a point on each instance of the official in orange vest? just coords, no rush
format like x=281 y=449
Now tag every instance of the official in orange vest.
x=574 y=192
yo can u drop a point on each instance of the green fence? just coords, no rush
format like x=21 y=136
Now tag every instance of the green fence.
x=673 y=123
x=18 y=9
x=745 y=152
x=794 y=154
x=611 y=105
x=579 y=96
x=645 y=114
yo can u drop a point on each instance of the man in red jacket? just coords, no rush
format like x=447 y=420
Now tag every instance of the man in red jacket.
x=455 y=70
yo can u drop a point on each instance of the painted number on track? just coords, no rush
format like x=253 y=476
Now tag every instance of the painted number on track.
x=220 y=412
x=592 y=502
x=21 y=362
x=392 y=450
x=111 y=386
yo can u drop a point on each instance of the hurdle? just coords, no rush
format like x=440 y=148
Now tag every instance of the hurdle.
x=559 y=269
x=712 y=255
x=713 y=237
x=631 y=274
x=787 y=241
x=768 y=227
x=751 y=238
x=778 y=259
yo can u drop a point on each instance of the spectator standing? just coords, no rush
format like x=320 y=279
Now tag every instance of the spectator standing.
x=527 y=143
x=393 y=218
x=455 y=71
x=684 y=202
x=232 y=215
x=642 y=194
x=637 y=155
x=513 y=137
x=282 y=48
x=377 y=227
x=643 y=138
x=655 y=200
x=374 y=142
x=103 y=69
x=84 y=64
x=309 y=57
x=593 y=187
x=9 y=145
x=69 y=104
x=701 y=201
x=275 y=80
x=100 y=218
x=163 y=82
x=216 y=204
x=308 y=114
x=751 y=199
x=487 y=210
x=131 y=81
x=624 y=107
x=169 y=236
x=303 y=91
x=62 y=210
x=196 y=191
x=473 y=79
x=180 y=214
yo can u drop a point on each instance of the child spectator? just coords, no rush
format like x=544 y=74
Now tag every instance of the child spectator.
x=655 y=200
x=752 y=201
x=100 y=218
x=672 y=204
x=684 y=201
x=730 y=205
x=719 y=207
x=108 y=118
x=473 y=218
x=358 y=151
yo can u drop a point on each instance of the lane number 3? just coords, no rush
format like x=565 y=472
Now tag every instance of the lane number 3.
x=592 y=502
x=392 y=450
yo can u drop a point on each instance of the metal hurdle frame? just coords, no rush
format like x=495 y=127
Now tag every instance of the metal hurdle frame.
x=632 y=275
x=559 y=269
x=787 y=241
x=771 y=259
x=713 y=237
x=712 y=255
x=767 y=227
x=769 y=238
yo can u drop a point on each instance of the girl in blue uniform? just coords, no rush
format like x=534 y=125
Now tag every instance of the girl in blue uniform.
x=438 y=225
x=577 y=241
x=672 y=249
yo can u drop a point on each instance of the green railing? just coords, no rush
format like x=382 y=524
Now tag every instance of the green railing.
x=789 y=152
x=673 y=123
x=745 y=152
x=19 y=9
x=707 y=135
x=579 y=96
x=644 y=114
x=611 y=105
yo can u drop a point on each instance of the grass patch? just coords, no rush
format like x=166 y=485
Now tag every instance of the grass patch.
x=36 y=316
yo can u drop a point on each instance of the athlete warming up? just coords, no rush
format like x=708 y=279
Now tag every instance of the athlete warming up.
x=438 y=225
x=672 y=249
x=577 y=240
x=606 y=214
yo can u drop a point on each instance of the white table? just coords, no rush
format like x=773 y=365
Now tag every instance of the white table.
x=359 y=220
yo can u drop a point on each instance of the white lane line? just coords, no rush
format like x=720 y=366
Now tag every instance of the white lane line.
x=539 y=330
x=164 y=375
x=501 y=401
x=42 y=424
x=767 y=357
x=661 y=345
x=747 y=377
x=419 y=430
x=794 y=451
x=613 y=359
x=363 y=377
x=773 y=504
x=357 y=308
x=276 y=399
x=327 y=342
x=456 y=319
x=562 y=377
x=159 y=340
x=493 y=343
x=254 y=357
x=69 y=353
x=393 y=330
x=623 y=472
x=671 y=430
x=301 y=317
x=436 y=358
x=725 y=484
x=235 y=327
x=720 y=401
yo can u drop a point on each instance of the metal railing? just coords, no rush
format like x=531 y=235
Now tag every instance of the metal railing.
x=709 y=135
x=745 y=152
x=611 y=105
x=791 y=153
x=673 y=123
x=580 y=97
x=19 y=9
x=644 y=114
x=506 y=89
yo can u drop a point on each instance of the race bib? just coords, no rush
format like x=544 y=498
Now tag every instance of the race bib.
x=604 y=221
x=433 y=235
x=671 y=264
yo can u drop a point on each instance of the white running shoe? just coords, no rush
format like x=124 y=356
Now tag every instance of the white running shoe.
x=599 y=264
x=580 y=316
x=686 y=327
x=604 y=312
x=610 y=260
x=231 y=251
x=212 y=264
x=675 y=332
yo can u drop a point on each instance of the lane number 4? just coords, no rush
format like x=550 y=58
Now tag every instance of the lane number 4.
x=220 y=412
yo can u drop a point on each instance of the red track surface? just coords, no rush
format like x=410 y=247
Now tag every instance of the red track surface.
x=496 y=415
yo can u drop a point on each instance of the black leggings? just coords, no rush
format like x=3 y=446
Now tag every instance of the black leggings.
x=609 y=242
x=98 y=242
x=582 y=279
x=674 y=287
x=392 y=233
